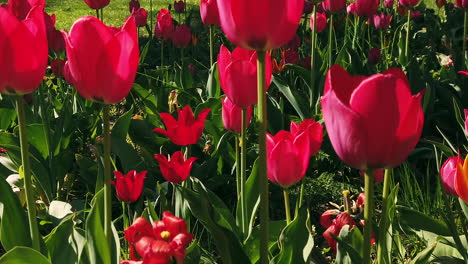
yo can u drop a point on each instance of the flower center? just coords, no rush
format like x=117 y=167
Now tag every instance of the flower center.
x=165 y=235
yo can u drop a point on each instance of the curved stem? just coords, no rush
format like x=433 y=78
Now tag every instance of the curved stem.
x=408 y=27
x=262 y=161
x=238 y=167
x=368 y=214
x=286 y=206
x=243 y=168
x=330 y=41
x=356 y=25
x=30 y=202
x=107 y=175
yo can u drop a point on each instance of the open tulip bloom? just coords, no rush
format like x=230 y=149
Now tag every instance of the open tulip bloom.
x=176 y=169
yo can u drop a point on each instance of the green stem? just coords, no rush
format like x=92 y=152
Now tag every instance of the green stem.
x=46 y=128
x=102 y=14
x=464 y=47
x=262 y=161
x=453 y=229
x=356 y=25
x=383 y=49
x=97 y=13
x=125 y=222
x=30 y=202
x=211 y=46
x=368 y=214
x=312 y=57
x=384 y=219
x=330 y=41
x=299 y=203
x=286 y=206
x=408 y=29
x=151 y=15
x=162 y=52
x=238 y=168
x=243 y=170
x=107 y=175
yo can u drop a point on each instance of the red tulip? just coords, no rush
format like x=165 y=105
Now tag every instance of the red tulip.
x=177 y=169
x=294 y=43
x=313 y=130
x=102 y=60
x=133 y=4
x=408 y=3
x=351 y=8
x=338 y=223
x=415 y=15
x=141 y=17
x=374 y=55
x=179 y=6
x=261 y=25
x=305 y=62
x=461 y=179
x=232 y=115
x=366 y=8
x=57 y=67
x=465 y=73
x=441 y=3
x=209 y=12
x=334 y=5
x=287 y=157
x=129 y=187
x=54 y=36
x=21 y=8
x=462 y=4
x=290 y=56
x=165 y=240
x=238 y=75
x=372 y=122
x=321 y=22
x=325 y=218
x=97 y=4
x=448 y=172
x=164 y=26
x=182 y=36
x=389 y=3
x=381 y=21
x=185 y=131
x=23 y=48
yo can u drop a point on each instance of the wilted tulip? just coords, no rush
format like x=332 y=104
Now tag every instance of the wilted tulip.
x=264 y=28
x=185 y=131
x=97 y=4
x=334 y=5
x=177 y=169
x=164 y=25
x=141 y=17
x=182 y=36
x=337 y=224
x=23 y=47
x=373 y=122
x=374 y=55
x=179 y=6
x=209 y=12
x=366 y=8
x=321 y=22
x=238 y=75
x=381 y=21
x=102 y=60
x=133 y=4
x=448 y=172
x=232 y=115
x=129 y=187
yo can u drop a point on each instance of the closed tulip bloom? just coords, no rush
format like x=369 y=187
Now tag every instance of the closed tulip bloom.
x=462 y=4
x=461 y=179
x=182 y=36
x=129 y=187
x=185 y=131
x=287 y=157
x=133 y=4
x=334 y=5
x=321 y=22
x=97 y=4
x=141 y=17
x=164 y=25
x=389 y=3
x=381 y=21
x=209 y=12
x=102 y=60
x=21 y=8
x=263 y=26
x=23 y=49
x=232 y=115
x=177 y=169
x=54 y=36
x=366 y=8
x=374 y=55
x=373 y=122
x=448 y=172
x=408 y=3
x=238 y=75
x=179 y=6
x=290 y=56
x=313 y=130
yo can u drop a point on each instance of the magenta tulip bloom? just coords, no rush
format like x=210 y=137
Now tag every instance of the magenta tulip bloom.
x=164 y=26
x=287 y=157
x=260 y=25
x=366 y=8
x=177 y=169
x=311 y=129
x=209 y=12
x=97 y=4
x=334 y=5
x=23 y=48
x=381 y=21
x=408 y=3
x=182 y=36
x=238 y=75
x=321 y=22
x=185 y=131
x=141 y=17
x=462 y=4
x=129 y=187
x=373 y=122
x=232 y=116
x=448 y=171
x=102 y=60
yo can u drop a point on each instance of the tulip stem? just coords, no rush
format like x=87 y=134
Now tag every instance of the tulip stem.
x=356 y=25
x=151 y=15
x=30 y=201
x=238 y=167
x=408 y=27
x=243 y=170
x=312 y=57
x=262 y=161
x=368 y=213
x=211 y=46
x=464 y=47
x=107 y=175
x=330 y=41
x=162 y=53
x=125 y=222
x=384 y=218
x=453 y=229
x=286 y=206
x=299 y=203
x=97 y=13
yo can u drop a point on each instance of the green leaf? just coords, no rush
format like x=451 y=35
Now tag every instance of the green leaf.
x=213 y=88
x=252 y=244
x=418 y=221
x=23 y=255
x=298 y=102
x=120 y=129
x=37 y=138
x=7 y=117
x=350 y=243
x=252 y=197
x=384 y=241
x=128 y=156
x=14 y=226
x=65 y=244
x=423 y=256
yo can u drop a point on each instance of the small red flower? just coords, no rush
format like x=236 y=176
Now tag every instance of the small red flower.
x=335 y=228
x=177 y=169
x=129 y=187
x=97 y=4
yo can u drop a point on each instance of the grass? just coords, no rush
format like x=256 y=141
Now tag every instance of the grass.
x=67 y=11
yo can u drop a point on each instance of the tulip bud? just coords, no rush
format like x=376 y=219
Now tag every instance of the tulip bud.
x=141 y=17
x=182 y=36
x=448 y=172
x=321 y=22
x=129 y=187
x=179 y=6
x=232 y=115
x=374 y=55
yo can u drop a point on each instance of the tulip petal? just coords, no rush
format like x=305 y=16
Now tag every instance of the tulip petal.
x=240 y=83
x=284 y=164
x=461 y=180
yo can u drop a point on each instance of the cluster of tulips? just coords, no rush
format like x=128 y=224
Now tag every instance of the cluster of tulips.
x=373 y=122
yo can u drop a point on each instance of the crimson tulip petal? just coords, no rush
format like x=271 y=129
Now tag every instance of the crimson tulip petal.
x=284 y=165
x=461 y=180
x=302 y=148
x=240 y=74
x=345 y=83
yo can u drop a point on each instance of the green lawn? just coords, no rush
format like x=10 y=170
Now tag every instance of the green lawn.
x=67 y=11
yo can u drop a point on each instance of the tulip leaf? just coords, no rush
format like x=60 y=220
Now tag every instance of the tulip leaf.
x=24 y=255
x=213 y=88
x=37 y=138
x=416 y=220
x=252 y=244
x=120 y=129
x=14 y=226
x=463 y=206
x=7 y=117
x=385 y=227
x=424 y=256
x=298 y=102
x=65 y=243
x=349 y=246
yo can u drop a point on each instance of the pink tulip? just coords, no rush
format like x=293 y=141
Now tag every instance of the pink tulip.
x=23 y=47
x=466 y=120
x=351 y=9
x=232 y=115
x=373 y=122
x=334 y=5
x=321 y=22
x=287 y=157
x=448 y=172
x=462 y=4
x=97 y=4
x=260 y=25
x=238 y=75
x=209 y=12
x=381 y=21
x=102 y=60
x=313 y=130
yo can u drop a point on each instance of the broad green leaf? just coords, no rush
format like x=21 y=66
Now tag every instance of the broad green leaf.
x=418 y=221
x=299 y=103
x=7 y=117
x=350 y=243
x=424 y=256
x=213 y=88
x=128 y=156
x=120 y=129
x=65 y=244
x=23 y=255
x=37 y=138
x=252 y=198
x=252 y=244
